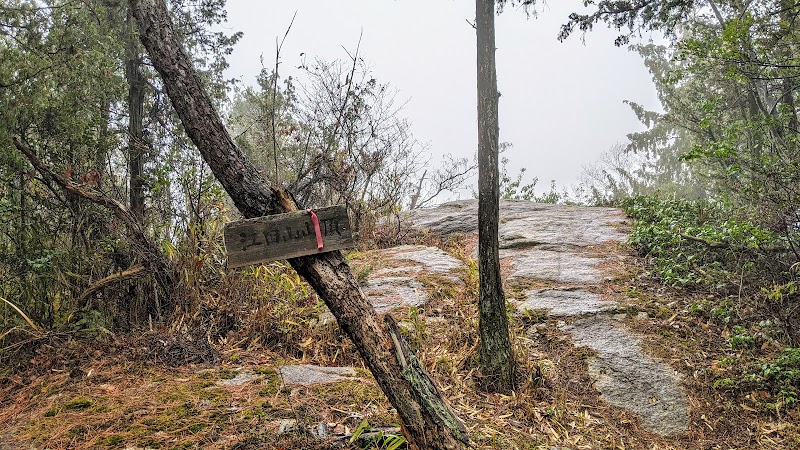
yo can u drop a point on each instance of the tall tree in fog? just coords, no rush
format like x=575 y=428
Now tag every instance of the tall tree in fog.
x=496 y=357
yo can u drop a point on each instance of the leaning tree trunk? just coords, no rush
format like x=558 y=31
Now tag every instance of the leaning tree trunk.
x=496 y=357
x=429 y=421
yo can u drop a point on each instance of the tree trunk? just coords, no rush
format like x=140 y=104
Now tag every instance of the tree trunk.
x=136 y=142
x=496 y=357
x=133 y=301
x=430 y=422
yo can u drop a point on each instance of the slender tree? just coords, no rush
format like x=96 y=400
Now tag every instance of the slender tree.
x=496 y=356
x=136 y=97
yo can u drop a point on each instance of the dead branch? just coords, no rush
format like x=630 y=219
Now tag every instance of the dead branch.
x=154 y=260
x=726 y=245
x=127 y=274
x=83 y=191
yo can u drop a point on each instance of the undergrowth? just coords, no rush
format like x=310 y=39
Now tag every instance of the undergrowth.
x=736 y=275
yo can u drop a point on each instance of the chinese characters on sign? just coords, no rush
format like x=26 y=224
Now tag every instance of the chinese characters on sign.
x=274 y=236
x=284 y=236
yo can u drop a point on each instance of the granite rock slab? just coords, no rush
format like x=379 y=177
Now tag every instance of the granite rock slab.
x=630 y=379
x=308 y=374
x=565 y=302
x=562 y=267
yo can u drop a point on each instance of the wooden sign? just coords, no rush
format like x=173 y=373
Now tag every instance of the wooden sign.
x=284 y=236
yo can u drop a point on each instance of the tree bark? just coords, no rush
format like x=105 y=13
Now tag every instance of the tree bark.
x=430 y=422
x=136 y=142
x=496 y=356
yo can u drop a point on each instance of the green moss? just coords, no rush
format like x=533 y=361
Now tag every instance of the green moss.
x=114 y=439
x=444 y=364
x=52 y=412
x=268 y=391
x=635 y=293
x=534 y=316
x=78 y=431
x=271 y=381
x=362 y=373
x=197 y=427
x=78 y=404
x=362 y=275
x=663 y=313
x=356 y=392
x=226 y=374
x=698 y=309
x=354 y=255
x=216 y=396
x=266 y=371
x=257 y=411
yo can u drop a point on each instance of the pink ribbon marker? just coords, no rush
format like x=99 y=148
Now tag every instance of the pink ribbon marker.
x=315 y=221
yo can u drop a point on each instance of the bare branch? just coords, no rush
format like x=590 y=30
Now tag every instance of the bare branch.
x=127 y=274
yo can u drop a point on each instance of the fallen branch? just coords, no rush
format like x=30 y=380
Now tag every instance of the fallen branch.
x=23 y=315
x=727 y=245
x=119 y=210
x=127 y=274
x=705 y=242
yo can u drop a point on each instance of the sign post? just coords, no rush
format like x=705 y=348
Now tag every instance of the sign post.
x=284 y=236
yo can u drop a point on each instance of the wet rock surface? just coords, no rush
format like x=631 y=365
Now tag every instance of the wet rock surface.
x=240 y=379
x=563 y=267
x=398 y=286
x=527 y=224
x=387 y=293
x=430 y=259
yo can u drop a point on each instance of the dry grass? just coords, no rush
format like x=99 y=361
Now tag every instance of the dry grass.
x=122 y=392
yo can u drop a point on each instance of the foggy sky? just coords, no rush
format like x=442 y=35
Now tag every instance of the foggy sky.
x=561 y=104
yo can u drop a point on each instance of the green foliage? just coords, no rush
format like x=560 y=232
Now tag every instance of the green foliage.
x=699 y=243
x=514 y=188
x=710 y=247
x=782 y=302
x=78 y=404
x=728 y=85
x=784 y=371
x=64 y=91
x=383 y=441
x=741 y=338
x=777 y=375
x=56 y=73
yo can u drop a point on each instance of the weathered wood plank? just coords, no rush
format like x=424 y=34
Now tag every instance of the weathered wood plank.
x=284 y=236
